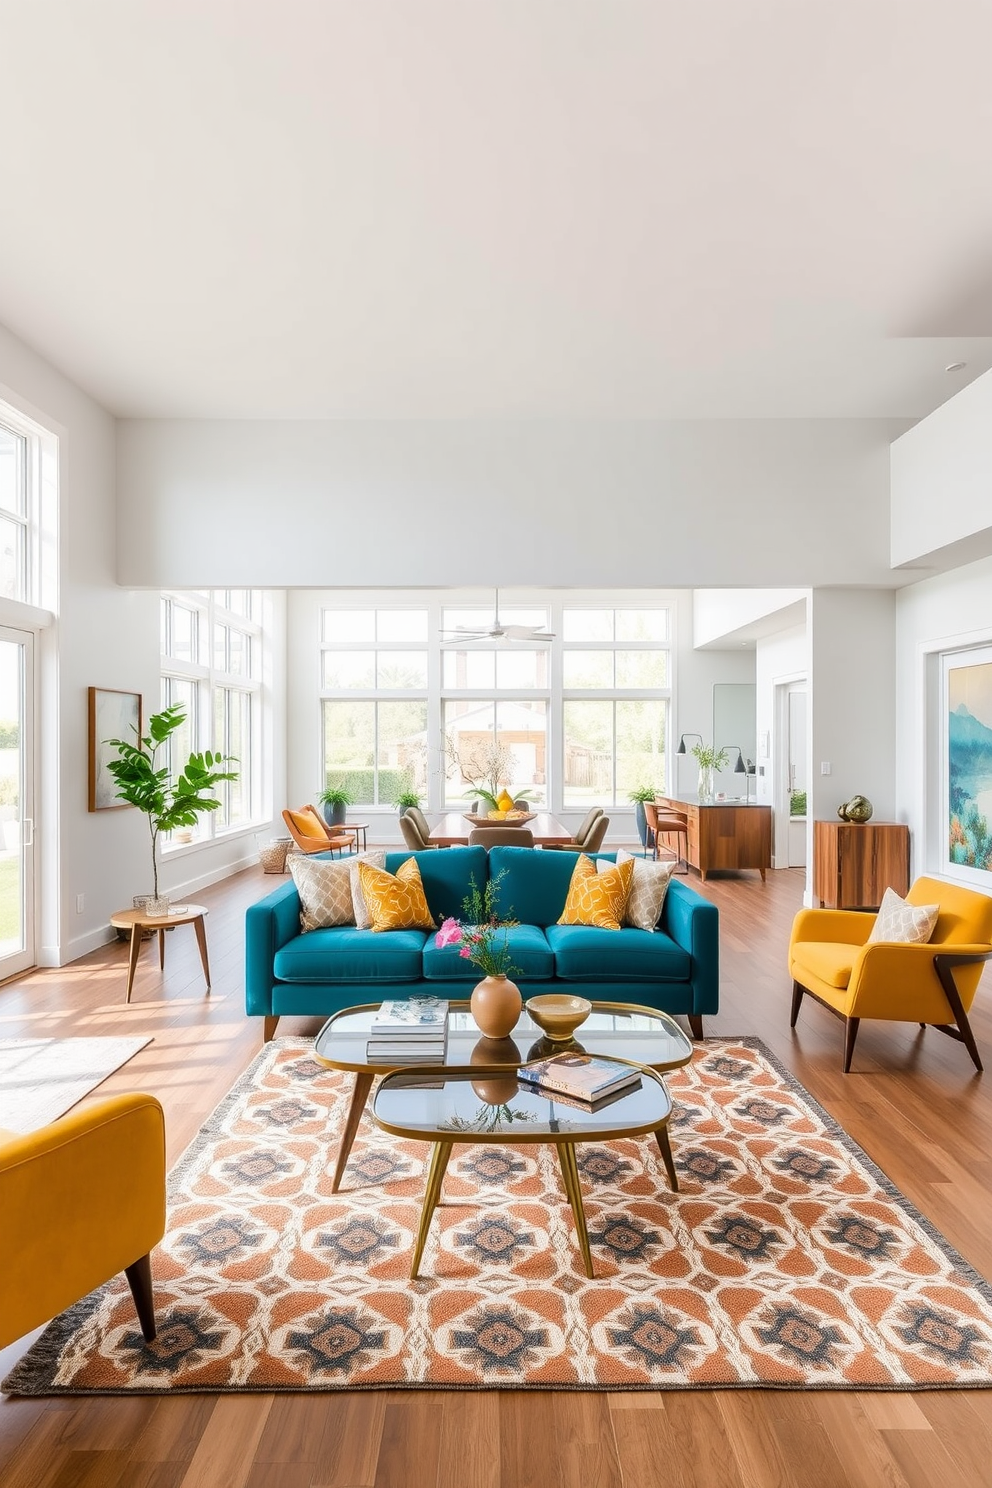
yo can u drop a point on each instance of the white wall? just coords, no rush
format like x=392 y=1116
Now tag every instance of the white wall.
x=938 y=614
x=103 y=636
x=942 y=480
x=278 y=504
x=717 y=613
x=852 y=688
x=779 y=659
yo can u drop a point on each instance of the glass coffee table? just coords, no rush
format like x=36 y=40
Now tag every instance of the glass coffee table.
x=621 y=1030
x=449 y=1106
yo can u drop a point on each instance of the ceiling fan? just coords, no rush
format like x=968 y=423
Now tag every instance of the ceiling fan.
x=498 y=631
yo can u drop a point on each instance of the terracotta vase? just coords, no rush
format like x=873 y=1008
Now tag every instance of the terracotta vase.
x=496 y=1089
x=496 y=1005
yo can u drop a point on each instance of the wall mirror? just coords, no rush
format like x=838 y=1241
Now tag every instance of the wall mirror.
x=734 y=718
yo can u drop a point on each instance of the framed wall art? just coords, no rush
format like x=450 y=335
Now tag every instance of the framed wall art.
x=112 y=715
x=967 y=763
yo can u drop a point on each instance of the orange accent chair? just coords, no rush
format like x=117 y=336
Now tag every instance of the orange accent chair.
x=310 y=832
x=935 y=983
x=663 y=822
x=82 y=1199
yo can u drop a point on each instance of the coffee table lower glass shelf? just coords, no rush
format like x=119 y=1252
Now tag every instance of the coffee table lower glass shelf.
x=642 y=1035
x=457 y=1106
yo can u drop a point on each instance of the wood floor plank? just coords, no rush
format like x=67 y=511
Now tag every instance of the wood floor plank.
x=912 y=1102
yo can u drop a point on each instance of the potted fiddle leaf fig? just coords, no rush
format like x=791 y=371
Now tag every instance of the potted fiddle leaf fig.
x=639 y=795
x=168 y=804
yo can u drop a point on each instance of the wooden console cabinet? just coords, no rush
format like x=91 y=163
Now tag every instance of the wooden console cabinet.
x=726 y=834
x=854 y=863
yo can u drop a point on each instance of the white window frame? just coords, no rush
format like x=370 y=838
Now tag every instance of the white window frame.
x=209 y=608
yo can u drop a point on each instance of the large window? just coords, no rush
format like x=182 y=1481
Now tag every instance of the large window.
x=407 y=703
x=211 y=664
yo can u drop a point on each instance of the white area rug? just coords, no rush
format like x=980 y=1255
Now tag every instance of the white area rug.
x=41 y=1079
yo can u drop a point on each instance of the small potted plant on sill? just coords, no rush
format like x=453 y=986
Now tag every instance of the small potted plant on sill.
x=335 y=802
x=639 y=795
x=170 y=805
x=403 y=800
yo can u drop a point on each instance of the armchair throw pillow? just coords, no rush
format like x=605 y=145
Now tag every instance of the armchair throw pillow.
x=902 y=923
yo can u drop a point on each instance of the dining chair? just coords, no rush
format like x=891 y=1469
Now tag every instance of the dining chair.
x=577 y=843
x=501 y=837
x=412 y=835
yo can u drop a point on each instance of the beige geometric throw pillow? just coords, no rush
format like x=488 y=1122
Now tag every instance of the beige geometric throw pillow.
x=647 y=891
x=324 y=887
x=902 y=923
x=377 y=858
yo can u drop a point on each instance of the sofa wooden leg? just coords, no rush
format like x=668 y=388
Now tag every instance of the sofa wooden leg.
x=851 y=1034
x=139 y=1279
x=696 y=1025
x=269 y=1028
x=798 y=993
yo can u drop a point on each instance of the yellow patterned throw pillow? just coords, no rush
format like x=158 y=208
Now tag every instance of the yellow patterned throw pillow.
x=598 y=899
x=395 y=901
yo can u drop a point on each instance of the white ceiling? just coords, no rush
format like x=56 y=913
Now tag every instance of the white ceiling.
x=500 y=208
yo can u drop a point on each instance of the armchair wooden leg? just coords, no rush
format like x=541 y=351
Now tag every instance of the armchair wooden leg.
x=851 y=1026
x=696 y=1025
x=798 y=993
x=139 y=1279
x=268 y=1028
x=943 y=966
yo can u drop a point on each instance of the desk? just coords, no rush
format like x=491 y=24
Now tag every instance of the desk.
x=452 y=830
x=137 y=921
x=725 y=834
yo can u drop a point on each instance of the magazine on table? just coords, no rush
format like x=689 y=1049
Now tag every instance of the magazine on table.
x=411 y=1020
x=379 y=1051
x=592 y=1106
x=587 y=1077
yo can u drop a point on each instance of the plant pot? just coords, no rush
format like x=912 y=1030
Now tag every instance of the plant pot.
x=335 y=814
x=641 y=822
x=496 y=1005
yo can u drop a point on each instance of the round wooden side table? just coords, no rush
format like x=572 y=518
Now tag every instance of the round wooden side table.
x=137 y=921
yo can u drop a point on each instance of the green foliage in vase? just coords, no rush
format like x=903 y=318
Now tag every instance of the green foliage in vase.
x=710 y=759
x=167 y=803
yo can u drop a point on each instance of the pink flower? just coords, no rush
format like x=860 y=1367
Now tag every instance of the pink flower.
x=465 y=953
x=450 y=933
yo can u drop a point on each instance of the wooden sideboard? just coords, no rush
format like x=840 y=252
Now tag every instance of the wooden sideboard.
x=725 y=834
x=855 y=862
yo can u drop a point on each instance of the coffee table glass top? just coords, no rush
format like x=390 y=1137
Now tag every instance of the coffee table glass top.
x=621 y=1030
x=459 y=1106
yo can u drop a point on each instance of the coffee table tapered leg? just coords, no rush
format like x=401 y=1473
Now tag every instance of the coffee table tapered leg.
x=570 y=1174
x=665 y=1146
x=360 y=1094
x=435 y=1177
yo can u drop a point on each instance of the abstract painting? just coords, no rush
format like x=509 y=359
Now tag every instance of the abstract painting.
x=969 y=758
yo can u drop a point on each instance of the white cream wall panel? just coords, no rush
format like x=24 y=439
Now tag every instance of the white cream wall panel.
x=951 y=610
x=679 y=504
x=942 y=480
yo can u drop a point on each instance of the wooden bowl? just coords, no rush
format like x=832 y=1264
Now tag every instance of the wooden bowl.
x=558 y=1014
x=513 y=819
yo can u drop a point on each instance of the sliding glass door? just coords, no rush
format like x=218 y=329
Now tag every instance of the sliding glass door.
x=17 y=948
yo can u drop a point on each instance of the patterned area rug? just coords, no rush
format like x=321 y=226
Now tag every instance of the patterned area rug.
x=787 y=1259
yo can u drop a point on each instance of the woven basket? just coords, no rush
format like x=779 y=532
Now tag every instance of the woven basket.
x=273 y=855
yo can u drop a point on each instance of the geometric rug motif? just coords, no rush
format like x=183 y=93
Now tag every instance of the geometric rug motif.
x=787 y=1260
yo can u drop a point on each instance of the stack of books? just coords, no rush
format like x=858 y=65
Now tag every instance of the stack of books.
x=584 y=1080
x=409 y=1033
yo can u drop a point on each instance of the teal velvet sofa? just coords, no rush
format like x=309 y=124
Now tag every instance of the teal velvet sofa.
x=674 y=968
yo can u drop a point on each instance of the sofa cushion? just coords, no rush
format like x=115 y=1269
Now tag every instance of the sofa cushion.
x=598 y=894
x=346 y=954
x=534 y=885
x=831 y=961
x=446 y=876
x=585 y=954
x=529 y=951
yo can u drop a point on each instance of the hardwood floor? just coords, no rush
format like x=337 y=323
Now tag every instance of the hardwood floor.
x=912 y=1100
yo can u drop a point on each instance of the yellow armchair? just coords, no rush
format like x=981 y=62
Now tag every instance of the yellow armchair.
x=935 y=984
x=80 y=1200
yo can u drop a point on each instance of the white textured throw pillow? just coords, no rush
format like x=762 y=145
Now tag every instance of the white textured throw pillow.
x=378 y=860
x=902 y=923
x=324 y=887
x=647 y=890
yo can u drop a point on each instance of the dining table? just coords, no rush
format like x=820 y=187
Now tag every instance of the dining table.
x=453 y=829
